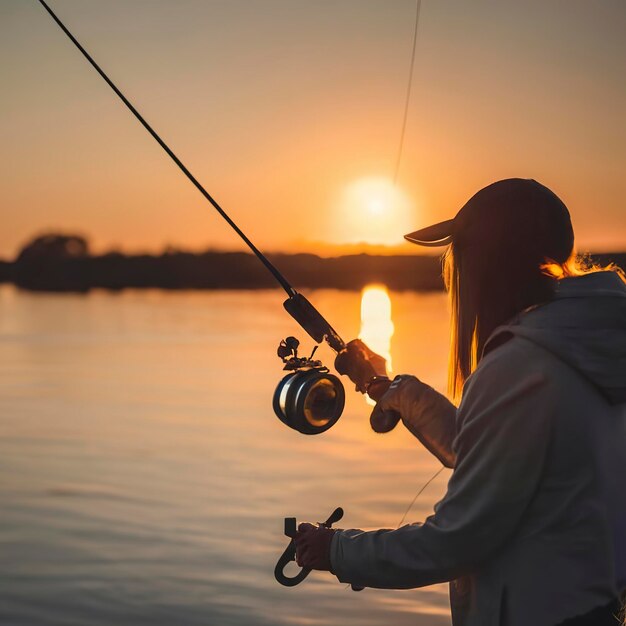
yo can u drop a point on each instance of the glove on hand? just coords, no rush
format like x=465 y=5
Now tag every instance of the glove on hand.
x=313 y=546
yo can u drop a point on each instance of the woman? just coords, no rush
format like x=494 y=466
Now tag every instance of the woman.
x=532 y=529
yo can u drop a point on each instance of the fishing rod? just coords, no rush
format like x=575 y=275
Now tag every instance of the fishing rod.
x=309 y=398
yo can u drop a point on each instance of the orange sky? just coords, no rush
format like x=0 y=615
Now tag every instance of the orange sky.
x=279 y=107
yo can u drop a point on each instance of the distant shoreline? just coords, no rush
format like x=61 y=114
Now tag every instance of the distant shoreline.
x=62 y=263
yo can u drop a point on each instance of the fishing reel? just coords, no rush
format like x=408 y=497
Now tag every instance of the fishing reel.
x=309 y=398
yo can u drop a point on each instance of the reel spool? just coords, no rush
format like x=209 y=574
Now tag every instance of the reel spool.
x=309 y=398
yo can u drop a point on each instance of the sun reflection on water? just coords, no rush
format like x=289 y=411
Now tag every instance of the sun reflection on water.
x=376 y=323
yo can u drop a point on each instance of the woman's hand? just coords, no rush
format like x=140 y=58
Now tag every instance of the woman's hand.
x=360 y=364
x=426 y=413
x=386 y=414
x=313 y=546
x=401 y=395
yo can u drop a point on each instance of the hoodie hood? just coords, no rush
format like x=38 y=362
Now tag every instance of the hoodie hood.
x=585 y=327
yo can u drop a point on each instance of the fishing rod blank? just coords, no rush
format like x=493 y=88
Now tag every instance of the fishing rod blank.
x=275 y=273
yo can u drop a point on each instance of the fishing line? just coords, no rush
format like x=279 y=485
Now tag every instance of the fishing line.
x=419 y=493
x=273 y=270
x=418 y=6
x=396 y=171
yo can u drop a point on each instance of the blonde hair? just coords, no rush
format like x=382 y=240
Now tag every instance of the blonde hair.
x=579 y=265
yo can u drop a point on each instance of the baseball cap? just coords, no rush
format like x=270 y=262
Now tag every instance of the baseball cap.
x=520 y=211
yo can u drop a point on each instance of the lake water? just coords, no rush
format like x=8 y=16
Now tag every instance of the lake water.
x=144 y=477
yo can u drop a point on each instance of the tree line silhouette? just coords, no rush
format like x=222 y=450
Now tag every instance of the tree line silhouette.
x=62 y=262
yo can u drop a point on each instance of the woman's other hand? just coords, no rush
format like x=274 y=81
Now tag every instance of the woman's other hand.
x=313 y=546
x=360 y=364
x=386 y=414
x=426 y=413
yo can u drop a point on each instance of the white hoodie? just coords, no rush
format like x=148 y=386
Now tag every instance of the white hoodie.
x=532 y=528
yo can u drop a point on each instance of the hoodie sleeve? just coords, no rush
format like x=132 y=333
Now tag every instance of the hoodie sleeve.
x=429 y=416
x=504 y=432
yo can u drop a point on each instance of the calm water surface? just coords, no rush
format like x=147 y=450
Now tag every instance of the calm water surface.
x=144 y=477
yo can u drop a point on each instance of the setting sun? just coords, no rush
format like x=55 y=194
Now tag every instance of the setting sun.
x=373 y=211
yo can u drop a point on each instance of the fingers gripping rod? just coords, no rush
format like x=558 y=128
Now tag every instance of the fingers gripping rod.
x=296 y=305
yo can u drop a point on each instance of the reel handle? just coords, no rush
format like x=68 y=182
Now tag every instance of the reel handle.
x=291 y=528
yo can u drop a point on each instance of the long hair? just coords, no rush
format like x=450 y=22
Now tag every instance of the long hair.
x=485 y=291
x=487 y=288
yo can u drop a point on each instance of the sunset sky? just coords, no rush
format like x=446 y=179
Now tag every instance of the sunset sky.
x=289 y=112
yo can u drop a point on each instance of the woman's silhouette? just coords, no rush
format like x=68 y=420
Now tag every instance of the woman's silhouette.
x=532 y=529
